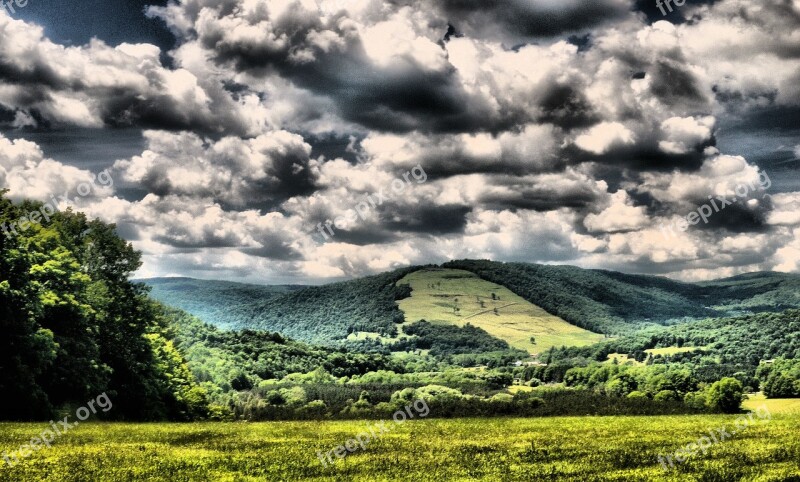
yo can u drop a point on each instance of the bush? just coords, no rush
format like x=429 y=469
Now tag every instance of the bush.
x=696 y=400
x=314 y=409
x=667 y=396
x=726 y=395
x=637 y=395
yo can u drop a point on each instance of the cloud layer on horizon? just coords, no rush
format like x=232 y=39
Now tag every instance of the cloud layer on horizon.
x=548 y=133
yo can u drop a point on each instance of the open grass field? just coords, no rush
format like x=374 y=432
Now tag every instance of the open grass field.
x=671 y=350
x=579 y=449
x=460 y=297
x=774 y=405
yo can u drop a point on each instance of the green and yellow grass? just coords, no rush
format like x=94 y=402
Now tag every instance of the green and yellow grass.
x=579 y=449
x=670 y=350
x=623 y=359
x=781 y=406
x=459 y=297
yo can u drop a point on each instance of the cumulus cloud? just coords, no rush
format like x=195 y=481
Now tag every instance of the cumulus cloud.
x=241 y=172
x=97 y=85
x=620 y=215
x=549 y=131
x=28 y=174
x=683 y=134
x=600 y=138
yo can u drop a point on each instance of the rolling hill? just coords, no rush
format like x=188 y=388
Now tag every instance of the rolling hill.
x=459 y=297
x=609 y=302
x=554 y=304
x=215 y=302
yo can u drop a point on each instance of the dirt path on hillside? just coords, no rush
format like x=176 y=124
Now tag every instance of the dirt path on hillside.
x=490 y=309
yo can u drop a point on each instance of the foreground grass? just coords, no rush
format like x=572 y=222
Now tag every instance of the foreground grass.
x=558 y=449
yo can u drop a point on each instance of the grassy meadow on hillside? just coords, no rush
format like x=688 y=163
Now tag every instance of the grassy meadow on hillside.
x=776 y=406
x=459 y=297
x=579 y=449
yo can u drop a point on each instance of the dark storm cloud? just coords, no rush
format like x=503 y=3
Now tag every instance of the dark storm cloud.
x=275 y=248
x=676 y=15
x=399 y=97
x=676 y=86
x=567 y=107
x=531 y=19
x=430 y=219
x=644 y=156
x=360 y=236
x=738 y=217
x=546 y=193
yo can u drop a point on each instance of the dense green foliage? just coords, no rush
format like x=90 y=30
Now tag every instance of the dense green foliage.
x=723 y=344
x=321 y=315
x=740 y=347
x=660 y=383
x=225 y=362
x=781 y=378
x=74 y=326
x=444 y=340
x=215 y=302
x=608 y=302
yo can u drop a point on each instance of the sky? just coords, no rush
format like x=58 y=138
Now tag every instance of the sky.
x=309 y=141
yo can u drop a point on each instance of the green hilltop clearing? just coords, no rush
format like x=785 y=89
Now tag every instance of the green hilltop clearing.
x=458 y=297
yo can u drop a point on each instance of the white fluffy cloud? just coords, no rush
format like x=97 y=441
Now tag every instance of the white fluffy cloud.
x=600 y=138
x=240 y=172
x=28 y=174
x=620 y=215
x=681 y=134
x=277 y=115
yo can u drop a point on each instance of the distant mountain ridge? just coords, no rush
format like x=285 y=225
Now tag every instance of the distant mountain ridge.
x=213 y=301
x=597 y=300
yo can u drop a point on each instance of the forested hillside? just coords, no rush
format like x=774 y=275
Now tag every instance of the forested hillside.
x=327 y=314
x=225 y=362
x=608 y=302
x=754 y=292
x=720 y=346
x=600 y=301
x=216 y=302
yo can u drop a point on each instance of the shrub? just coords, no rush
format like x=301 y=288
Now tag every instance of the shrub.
x=726 y=395
x=696 y=400
x=637 y=395
x=666 y=396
